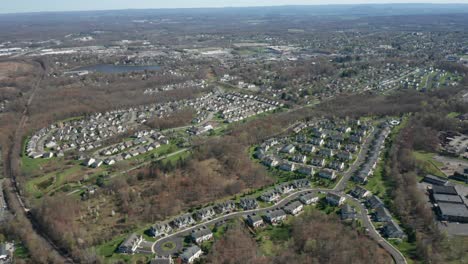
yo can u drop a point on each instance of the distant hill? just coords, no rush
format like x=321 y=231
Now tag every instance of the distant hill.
x=363 y=10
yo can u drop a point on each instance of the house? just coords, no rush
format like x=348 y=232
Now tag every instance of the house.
x=259 y=154
x=294 y=208
x=88 y=162
x=393 y=230
x=355 y=139
x=319 y=162
x=301 y=183
x=189 y=255
x=344 y=129
x=109 y=162
x=162 y=260
x=34 y=155
x=347 y=213
x=160 y=229
x=374 y=202
x=270 y=161
x=275 y=217
x=432 y=179
x=333 y=145
x=319 y=134
x=359 y=192
x=254 y=221
x=285 y=188
x=96 y=164
x=327 y=174
x=301 y=138
x=337 y=138
x=201 y=235
x=335 y=199
x=183 y=221
x=351 y=148
x=309 y=198
x=270 y=196
x=325 y=152
x=306 y=170
x=289 y=149
x=337 y=165
x=344 y=156
x=287 y=166
x=360 y=177
x=308 y=149
x=225 y=207
x=300 y=159
x=248 y=203
x=205 y=213
x=47 y=155
x=130 y=244
x=317 y=141
x=381 y=214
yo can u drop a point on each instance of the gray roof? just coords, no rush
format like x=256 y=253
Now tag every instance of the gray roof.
x=254 y=218
x=436 y=189
x=292 y=206
x=432 y=178
x=162 y=260
x=375 y=201
x=200 y=232
x=308 y=196
x=189 y=252
x=275 y=213
x=381 y=213
x=452 y=209
x=447 y=198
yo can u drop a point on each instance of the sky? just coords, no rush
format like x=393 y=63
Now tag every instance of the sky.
x=17 y=6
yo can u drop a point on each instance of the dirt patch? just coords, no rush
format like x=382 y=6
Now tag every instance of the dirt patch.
x=9 y=69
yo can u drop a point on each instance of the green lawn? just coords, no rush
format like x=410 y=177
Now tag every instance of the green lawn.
x=21 y=251
x=453 y=114
x=406 y=248
x=272 y=238
x=51 y=182
x=108 y=251
x=428 y=164
x=376 y=183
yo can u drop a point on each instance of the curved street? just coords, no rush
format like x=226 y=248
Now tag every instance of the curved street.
x=338 y=189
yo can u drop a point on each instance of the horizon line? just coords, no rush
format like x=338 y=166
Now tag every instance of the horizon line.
x=218 y=7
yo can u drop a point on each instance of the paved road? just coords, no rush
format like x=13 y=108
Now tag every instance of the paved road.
x=374 y=234
x=340 y=186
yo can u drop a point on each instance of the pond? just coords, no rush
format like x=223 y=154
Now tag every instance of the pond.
x=111 y=68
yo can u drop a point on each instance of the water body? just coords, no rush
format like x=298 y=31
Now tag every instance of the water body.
x=111 y=68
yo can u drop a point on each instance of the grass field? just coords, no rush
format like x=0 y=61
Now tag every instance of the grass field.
x=273 y=238
x=376 y=183
x=406 y=248
x=428 y=164
x=108 y=249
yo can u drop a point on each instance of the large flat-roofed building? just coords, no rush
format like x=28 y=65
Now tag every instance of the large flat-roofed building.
x=435 y=180
x=454 y=212
x=444 y=198
x=450 y=190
